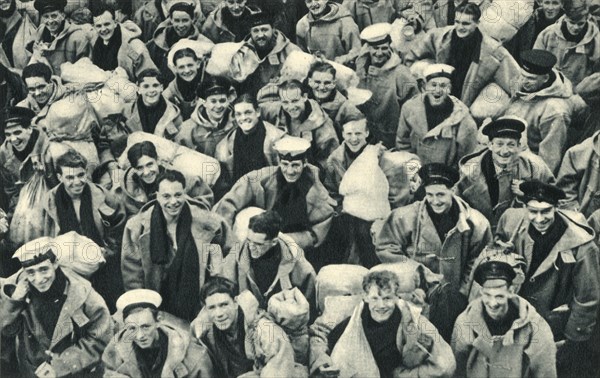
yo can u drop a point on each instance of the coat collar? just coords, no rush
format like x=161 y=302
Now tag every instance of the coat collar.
x=590 y=35
x=281 y=42
x=64 y=34
x=575 y=236
x=290 y=255
x=315 y=119
x=462 y=225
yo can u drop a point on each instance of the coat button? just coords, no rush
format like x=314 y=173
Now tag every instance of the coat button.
x=532 y=280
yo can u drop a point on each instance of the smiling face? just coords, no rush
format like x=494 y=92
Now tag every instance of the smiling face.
x=222 y=310
x=18 y=136
x=575 y=26
x=381 y=303
x=355 y=134
x=541 y=215
x=236 y=7
x=5 y=5
x=171 y=197
x=464 y=25
x=142 y=328
x=52 y=20
x=73 y=179
x=291 y=170
x=316 y=7
x=216 y=106
x=42 y=275
x=437 y=90
x=532 y=82
x=259 y=244
x=182 y=23
x=187 y=68
x=150 y=89
x=293 y=102
x=105 y=26
x=504 y=150
x=262 y=36
x=39 y=89
x=495 y=301
x=147 y=169
x=322 y=84
x=380 y=53
x=439 y=198
x=551 y=8
x=246 y=116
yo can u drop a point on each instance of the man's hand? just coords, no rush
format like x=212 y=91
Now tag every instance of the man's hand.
x=514 y=186
x=22 y=288
x=3 y=223
x=328 y=370
x=45 y=370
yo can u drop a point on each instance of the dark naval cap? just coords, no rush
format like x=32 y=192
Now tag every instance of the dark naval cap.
x=260 y=18
x=17 y=116
x=538 y=62
x=494 y=270
x=505 y=127
x=536 y=190
x=438 y=174
x=45 y=6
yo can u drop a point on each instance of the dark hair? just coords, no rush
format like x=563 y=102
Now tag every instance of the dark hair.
x=171 y=175
x=268 y=223
x=321 y=67
x=182 y=53
x=71 y=159
x=37 y=70
x=145 y=148
x=218 y=285
x=151 y=72
x=470 y=9
x=384 y=279
x=293 y=84
x=247 y=98
x=101 y=8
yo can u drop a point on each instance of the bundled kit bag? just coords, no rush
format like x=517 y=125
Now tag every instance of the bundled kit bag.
x=172 y=155
x=502 y=19
x=365 y=187
x=298 y=63
x=290 y=310
x=28 y=219
x=221 y=57
x=399 y=168
x=338 y=279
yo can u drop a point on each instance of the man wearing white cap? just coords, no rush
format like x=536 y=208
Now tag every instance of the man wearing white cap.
x=477 y=58
x=380 y=70
x=61 y=325
x=148 y=347
x=292 y=189
x=436 y=125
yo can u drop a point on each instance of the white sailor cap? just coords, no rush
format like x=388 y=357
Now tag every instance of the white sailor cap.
x=438 y=70
x=138 y=298
x=36 y=251
x=377 y=33
x=292 y=148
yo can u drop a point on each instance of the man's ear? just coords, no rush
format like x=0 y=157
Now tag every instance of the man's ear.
x=232 y=95
x=512 y=288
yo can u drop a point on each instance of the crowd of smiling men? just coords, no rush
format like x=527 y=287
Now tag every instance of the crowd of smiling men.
x=501 y=211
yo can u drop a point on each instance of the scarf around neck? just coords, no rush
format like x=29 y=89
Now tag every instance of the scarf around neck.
x=290 y=202
x=248 y=154
x=188 y=88
x=180 y=288
x=151 y=115
x=48 y=305
x=22 y=155
x=151 y=361
x=106 y=55
x=67 y=218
